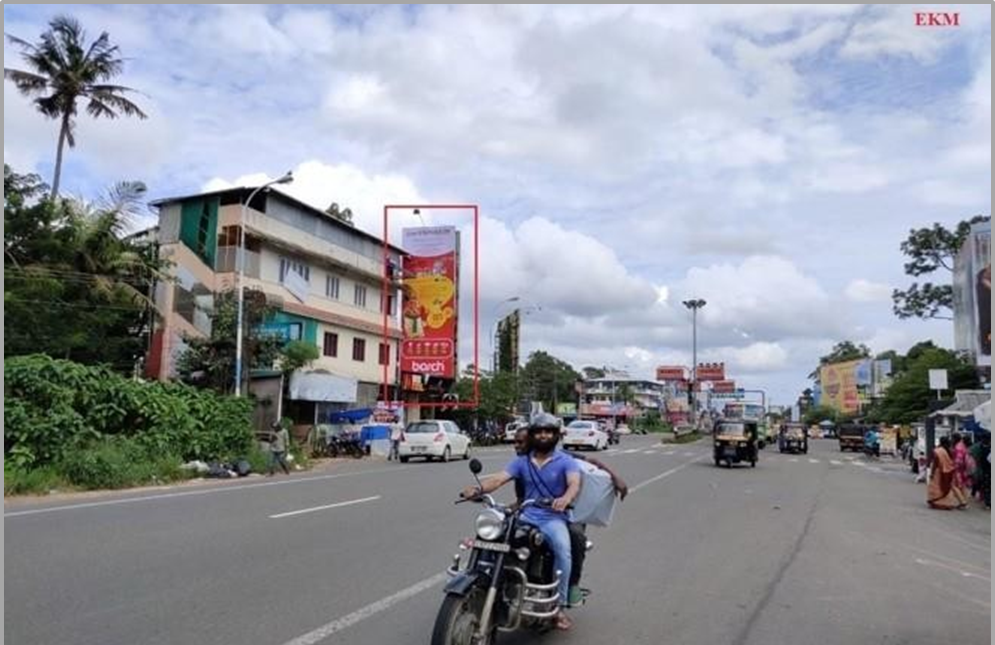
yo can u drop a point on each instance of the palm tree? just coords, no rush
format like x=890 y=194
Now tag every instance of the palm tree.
x=64 y=69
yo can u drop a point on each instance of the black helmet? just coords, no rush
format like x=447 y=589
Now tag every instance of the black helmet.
x=544 y=421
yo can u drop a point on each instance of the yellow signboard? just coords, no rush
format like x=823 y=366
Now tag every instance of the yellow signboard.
x=839 y=386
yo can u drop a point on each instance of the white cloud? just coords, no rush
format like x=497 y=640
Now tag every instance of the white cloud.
x=758 y=357
x=861 y=290
x=624 y=158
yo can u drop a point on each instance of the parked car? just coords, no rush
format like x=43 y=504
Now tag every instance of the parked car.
x=585 y=434
x=512 y=429
x=436 y=439
x=623 y=429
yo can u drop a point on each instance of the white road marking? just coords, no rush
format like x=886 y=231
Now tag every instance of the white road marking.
x=202 y=491
x=303 y=511
x=672 y=471
x=835 y=462
x=813 y=461
x=649 y=452
x=793 y=460
x=670 y=453
x=690 y=454
x=316 y=636
x=631 y=451
x=336 y=626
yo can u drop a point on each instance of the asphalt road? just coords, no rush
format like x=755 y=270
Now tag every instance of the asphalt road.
x=819 y=548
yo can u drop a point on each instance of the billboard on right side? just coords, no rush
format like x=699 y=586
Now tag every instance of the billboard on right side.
x=973 y=295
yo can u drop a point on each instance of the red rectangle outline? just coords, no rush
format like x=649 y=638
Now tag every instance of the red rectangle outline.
x=385 y=392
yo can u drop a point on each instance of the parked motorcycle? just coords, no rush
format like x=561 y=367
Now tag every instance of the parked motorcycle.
x=503 y=580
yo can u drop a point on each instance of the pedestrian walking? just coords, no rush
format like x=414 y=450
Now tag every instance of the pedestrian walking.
x=278 y=444
x=395 y=442
x=942 y=492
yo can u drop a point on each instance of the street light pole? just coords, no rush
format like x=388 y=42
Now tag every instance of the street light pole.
x=694 y=305
x=240 y=283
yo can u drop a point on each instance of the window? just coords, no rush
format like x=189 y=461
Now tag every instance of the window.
x=300 y=268
x=359 y=296
x=384 y=354
x=358 y=349
x=332 y=287
x=390 y=305
x=331 y=345
x=295 y=331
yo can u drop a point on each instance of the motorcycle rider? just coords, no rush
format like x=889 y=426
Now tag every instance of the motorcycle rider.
x=545 y=472
x=578 y=532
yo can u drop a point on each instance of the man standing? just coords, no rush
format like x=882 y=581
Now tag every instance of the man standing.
x=396 y=430
x=278 y=444
x=546 y=473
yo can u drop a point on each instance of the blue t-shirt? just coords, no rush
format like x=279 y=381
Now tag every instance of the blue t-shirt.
x=548 y=481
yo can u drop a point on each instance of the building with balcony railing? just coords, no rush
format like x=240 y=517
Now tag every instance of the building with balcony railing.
x=622 y=395
x=322 y=275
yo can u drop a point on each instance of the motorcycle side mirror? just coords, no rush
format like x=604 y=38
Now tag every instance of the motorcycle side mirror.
x=476 y=467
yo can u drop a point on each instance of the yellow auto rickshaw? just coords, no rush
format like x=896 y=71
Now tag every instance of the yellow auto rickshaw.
x=735 y=442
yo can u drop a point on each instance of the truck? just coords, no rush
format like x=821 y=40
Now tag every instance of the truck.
x=851 y=437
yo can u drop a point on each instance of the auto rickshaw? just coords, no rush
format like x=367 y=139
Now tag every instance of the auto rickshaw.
x=793 y=439
x=735 y=442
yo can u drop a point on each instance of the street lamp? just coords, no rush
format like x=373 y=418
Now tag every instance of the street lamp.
x=694 y=306
x=240 y=283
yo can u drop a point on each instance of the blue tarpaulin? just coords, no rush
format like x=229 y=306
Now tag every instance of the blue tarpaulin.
x=350 y=416
x=373 y=433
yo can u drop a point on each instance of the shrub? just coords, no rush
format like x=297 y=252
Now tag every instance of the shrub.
x=56 y=411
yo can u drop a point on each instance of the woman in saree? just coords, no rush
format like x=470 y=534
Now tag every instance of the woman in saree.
x=942 y=493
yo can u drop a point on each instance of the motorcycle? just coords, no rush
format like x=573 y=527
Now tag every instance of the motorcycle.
x=503 y=580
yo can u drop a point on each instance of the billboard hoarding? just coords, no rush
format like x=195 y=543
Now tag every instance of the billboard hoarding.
x=430 y=301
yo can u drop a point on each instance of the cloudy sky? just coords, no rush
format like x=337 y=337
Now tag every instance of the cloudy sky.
x=769 y=160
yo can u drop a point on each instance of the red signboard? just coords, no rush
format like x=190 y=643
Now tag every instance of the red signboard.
x=723 y=387
x=430 y=303
x=711 y=372
x=667 y=373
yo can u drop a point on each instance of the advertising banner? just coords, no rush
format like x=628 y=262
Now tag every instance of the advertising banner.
x=711 y=372
x=430 y=301
x=668 y=373
x=839 y=386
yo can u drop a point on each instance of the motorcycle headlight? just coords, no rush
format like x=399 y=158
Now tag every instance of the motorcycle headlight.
x=490 y=525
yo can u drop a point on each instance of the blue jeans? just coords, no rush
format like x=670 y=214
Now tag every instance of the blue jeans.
x=558 y=535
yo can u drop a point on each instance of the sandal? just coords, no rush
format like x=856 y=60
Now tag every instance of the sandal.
x=563 y=622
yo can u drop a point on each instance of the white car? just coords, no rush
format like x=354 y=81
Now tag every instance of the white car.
x=512 y=429
x=585 y=434
x=442 y=440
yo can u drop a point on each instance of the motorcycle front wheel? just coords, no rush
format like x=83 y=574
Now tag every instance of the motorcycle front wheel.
x=459 y=619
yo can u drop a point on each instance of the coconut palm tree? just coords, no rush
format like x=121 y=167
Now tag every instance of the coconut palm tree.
x=65 y=69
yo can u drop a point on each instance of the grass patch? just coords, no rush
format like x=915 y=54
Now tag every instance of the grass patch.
x=39 y=481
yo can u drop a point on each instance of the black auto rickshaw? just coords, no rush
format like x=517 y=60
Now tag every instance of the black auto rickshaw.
x=793 y=438
x=735 y=442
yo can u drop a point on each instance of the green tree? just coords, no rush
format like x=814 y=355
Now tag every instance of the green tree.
x=819 y=413
x=930 y=250
x=210 y=362
x=76 y=286
x=498 y=398
x=842 y=352
x=296 y=355
x=593 y=372
x=624 y=394
x=907 y=400
x=66 y=69
x=549 y=380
